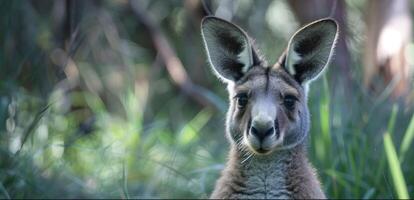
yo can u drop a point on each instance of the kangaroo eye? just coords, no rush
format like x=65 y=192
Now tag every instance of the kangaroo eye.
x=289 y=102
x=242 y=100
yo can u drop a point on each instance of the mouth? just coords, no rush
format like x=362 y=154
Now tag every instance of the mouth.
x=262 y=151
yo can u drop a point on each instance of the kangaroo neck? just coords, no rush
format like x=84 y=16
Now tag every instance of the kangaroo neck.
x=275 y=176
x=269 y=176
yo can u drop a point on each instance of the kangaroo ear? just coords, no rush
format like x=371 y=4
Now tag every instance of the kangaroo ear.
x=310 y=49
x=228 y=48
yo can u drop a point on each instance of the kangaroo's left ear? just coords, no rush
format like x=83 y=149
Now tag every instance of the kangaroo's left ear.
x=228 y=48
x=310 y=50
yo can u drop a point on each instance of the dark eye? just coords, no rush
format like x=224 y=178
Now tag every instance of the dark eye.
x=289 y=102
x=242 y=100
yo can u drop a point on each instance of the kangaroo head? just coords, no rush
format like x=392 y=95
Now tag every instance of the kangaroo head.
x=268 y=109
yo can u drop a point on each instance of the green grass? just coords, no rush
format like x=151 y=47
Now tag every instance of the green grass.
x=126 y=158
x=407 y=140
x=395 y=168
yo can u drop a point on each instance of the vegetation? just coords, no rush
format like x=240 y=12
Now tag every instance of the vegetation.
x=91 y=108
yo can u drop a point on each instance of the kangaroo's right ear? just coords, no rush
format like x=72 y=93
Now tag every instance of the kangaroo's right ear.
x=310 y=49
x=228 y=48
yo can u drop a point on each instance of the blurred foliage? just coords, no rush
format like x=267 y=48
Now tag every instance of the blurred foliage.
x=88 y=110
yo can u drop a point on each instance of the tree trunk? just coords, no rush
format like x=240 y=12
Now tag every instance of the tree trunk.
x=388 y=34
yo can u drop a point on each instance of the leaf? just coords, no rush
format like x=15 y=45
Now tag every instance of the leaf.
x=407 y=140
x=395 y=168
x=33 y=125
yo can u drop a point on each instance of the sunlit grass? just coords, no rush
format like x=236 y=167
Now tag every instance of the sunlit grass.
x=323 y=146
x=407 y=140
x=390 y=129
x=395 y=168
x=191 y=130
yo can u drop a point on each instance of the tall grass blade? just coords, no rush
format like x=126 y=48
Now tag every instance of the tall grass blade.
x=5 y=193
x=33 y=125
x=395 y=168
x=407 y=140
x=369 y=193
x=125 y=181
x=190 y=131
x=390 y=129
x=324 y=111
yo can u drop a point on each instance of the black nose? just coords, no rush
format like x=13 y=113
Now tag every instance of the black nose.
x=262 y=133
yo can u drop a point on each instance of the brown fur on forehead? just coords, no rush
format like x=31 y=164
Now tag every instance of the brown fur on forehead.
x=256 y=77
x=269 y=79
x=254 y=72
x=281 y=74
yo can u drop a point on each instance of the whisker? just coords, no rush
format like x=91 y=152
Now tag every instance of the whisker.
x=248 y=157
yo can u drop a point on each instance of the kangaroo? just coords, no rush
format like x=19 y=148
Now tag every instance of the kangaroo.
x=268 y=118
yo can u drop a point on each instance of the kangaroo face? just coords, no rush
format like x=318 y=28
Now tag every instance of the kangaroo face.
x=268 y=109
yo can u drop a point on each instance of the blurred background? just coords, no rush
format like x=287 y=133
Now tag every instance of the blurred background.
x=115 y=99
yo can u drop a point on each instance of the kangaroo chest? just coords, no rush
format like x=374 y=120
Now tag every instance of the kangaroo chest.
x=263 y=180
x=284 y=175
